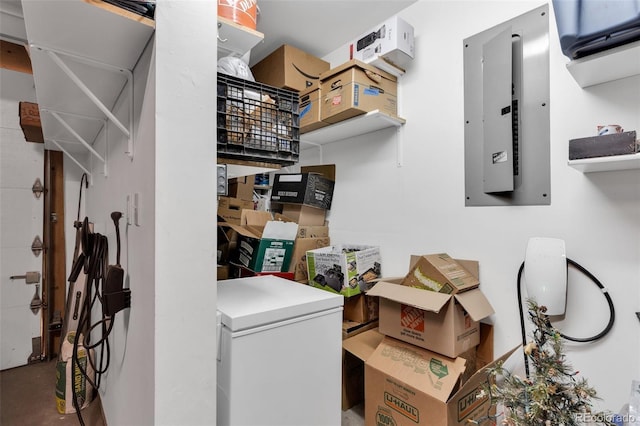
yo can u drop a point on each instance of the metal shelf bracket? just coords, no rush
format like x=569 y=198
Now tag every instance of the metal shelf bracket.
x=55 y=56
x=87 y=145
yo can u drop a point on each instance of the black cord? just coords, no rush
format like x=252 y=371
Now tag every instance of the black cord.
x=609 y=326
x=95 y=250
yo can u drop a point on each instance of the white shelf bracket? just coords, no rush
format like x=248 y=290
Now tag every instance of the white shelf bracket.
x=127 y=131
x=80 y=139
x=399 y=146
x=317 y=145
x=68 y=154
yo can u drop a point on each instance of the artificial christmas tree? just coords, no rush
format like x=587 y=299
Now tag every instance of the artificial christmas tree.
x=551 y=394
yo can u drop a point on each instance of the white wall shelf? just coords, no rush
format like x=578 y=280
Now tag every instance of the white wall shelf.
x=359 y=125
x=602 y=164
x=613 y=64
x=79 y=79
x=236 y=40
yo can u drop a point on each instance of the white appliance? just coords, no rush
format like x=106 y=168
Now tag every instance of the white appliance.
x=279 y=353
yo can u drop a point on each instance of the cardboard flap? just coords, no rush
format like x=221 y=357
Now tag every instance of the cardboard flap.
x=239 y=229
x=354 y=62
x=282 y=218
x=421 y=369
x=277 y=230
x=326 y=170
x=423 y=299
x=256 y=218
x=364 y=344
x=475 y=303
x=480 y=376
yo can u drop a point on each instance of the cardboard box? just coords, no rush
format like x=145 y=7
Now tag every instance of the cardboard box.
x=242 y=187
x=230 y=209
x=310 y=189
x=448 y=324
x=407 y=385
x=312 y=231
x=359 y=346
x=390 y=42
x=361 y=308
x=355 y=88
x=227 y=243
x=240 y=271
x=298 y=265
x=264 y=245
x=353 y=328
x=440 y=273
x=290 y=68
x=344 y=269
x=355 y=351
x=30 y=122
x=603 y=146
x=326 y=170
x=310 y=111
x=222 y=272
x=304 y=215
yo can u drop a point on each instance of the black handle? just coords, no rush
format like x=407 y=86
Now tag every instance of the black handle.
x=116 y=216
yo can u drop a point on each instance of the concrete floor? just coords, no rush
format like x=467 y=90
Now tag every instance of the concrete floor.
x=27 y=398
x=354 y=416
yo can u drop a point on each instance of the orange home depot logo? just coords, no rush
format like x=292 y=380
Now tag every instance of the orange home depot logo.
x=412 y=318
x=401 y=407
x=469 y=403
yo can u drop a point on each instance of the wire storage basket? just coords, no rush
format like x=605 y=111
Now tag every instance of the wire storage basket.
x=257 y=122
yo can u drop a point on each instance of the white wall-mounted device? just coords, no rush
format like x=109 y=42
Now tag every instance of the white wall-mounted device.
x=545 y=273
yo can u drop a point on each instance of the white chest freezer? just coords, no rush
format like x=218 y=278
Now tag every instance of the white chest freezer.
x=279 y=353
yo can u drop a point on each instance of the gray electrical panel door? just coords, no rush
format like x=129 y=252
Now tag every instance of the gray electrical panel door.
x=506 y=113
x=497 y=161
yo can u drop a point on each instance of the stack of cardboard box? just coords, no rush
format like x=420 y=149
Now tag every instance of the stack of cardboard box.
x=239 y=197
x=305 y=198
x=364 y=83
x=426 y=363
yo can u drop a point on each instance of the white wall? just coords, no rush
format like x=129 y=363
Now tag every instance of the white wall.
x=126 y=389
x=162 y=369
x=185 y=205
x=419 y=207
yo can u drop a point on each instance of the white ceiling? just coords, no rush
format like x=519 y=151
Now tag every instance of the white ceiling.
x=318 y=26
x=315 y=26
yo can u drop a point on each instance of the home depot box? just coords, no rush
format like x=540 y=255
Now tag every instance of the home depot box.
x=355 y=88
x=30 y=122
x=264 y=245
x=440 y=273
x=310 y=111
x=390 y=42
x=344 y=269
x=448 y=324
x=230 y=209
x=310 y=189
x=290 y=68
x=407 y=385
